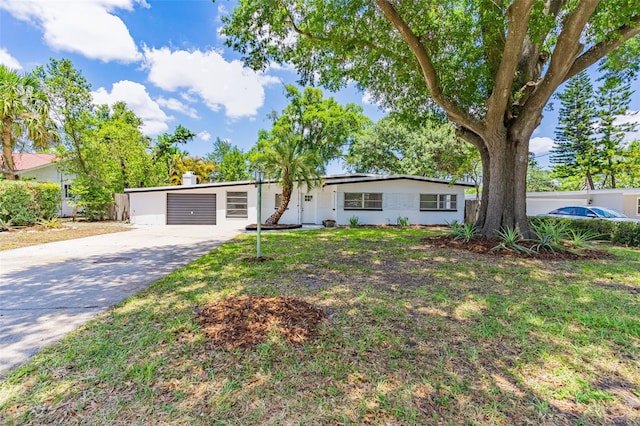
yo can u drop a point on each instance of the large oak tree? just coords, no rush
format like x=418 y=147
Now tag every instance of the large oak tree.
x=490 y=65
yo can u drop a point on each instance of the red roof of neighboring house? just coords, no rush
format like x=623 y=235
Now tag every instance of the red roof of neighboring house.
x=24 y=161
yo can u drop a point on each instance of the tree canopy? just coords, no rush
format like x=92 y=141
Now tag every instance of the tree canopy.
x=491 y=66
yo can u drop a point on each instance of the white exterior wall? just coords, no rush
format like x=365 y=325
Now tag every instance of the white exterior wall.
x=542 y=203
x=611 y=200
x=401 y=198
x=150 y=208
x=49 y=173
x=319 y=208
x=631 y=205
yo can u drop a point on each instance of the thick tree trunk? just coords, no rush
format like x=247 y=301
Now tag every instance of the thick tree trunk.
x=504 y=191
x=8 y=167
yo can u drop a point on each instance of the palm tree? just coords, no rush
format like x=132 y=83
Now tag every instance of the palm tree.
x=286 y=159
x=24 y=112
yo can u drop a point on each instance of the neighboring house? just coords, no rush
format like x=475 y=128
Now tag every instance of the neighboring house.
x=624 y=200
x=373 y=199
x=43 y=168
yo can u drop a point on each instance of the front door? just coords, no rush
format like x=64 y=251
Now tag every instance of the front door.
x=308 y=208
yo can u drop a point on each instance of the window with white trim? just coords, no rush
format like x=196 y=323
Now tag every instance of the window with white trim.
x=279 y=202
x=363 y=201
x=237 y=205
x=638 y=210
x=438 y=202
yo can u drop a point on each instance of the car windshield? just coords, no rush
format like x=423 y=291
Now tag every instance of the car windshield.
x=607 y=212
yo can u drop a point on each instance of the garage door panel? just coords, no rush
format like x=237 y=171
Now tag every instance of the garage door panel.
x=191 y=209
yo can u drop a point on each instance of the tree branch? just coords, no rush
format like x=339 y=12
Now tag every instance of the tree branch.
x=518 y=17
x=567 y=49
x=598 y=51
x=461 y=117
x=338 y=42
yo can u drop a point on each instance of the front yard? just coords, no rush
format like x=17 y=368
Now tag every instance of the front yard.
x=415 y=333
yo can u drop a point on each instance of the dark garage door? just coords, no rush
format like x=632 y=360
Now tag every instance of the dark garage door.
x=191 y=209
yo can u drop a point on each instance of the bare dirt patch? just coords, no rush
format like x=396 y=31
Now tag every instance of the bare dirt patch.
x=67 y=230
x=247 y=321
x=488 y=246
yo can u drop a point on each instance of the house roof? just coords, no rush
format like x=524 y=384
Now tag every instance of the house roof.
x=25 y=161
x=326 y=180
x=355 y=178
x=585 y=193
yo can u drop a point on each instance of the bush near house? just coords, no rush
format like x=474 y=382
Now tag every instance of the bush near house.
x=26 y=203
x=625 y=233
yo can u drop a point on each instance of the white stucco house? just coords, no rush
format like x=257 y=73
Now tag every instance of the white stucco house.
x=624 y=200
x=43 y=168
x=374 y=199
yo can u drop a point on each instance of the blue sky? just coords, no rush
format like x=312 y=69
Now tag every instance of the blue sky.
x=167 y=61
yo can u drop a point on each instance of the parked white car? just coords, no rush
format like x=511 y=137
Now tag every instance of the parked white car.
x=590 y=212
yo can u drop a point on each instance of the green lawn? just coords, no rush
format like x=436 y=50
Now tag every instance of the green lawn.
x=418 y=334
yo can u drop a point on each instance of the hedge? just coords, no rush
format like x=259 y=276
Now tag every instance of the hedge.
x=625 y=233
x=26 y=203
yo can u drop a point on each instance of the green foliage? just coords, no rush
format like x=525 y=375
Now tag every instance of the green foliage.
x=5 y=225
x=91 y=198
x=26 y=203
x=310 y=132
x=166 y=151
x=465 y=232
x=354 y=221
x=627 y=233
x=581 y=237
x=581 y=230
x=430 y=149
x=553 y=232
x=52 y=223
x=575 y=153
x=539 y=180
x=24 y=116
x=510 y=239
x=402 y=221
x=232 y=164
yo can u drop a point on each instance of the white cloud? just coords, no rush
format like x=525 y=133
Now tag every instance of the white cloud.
x=630 y=117
x=137 y=98
x=367 y=99
x=541 y=145
x=206 y=74
x=88 y=27
x=175 y=105
x=204 y=135
x=8 y=60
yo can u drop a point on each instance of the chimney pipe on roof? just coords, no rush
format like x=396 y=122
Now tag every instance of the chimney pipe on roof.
x=188 y=178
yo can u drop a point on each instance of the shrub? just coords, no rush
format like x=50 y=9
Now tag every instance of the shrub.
x=465 y=232
x=25 y=203
x=403 y=221
x=48 y=198
x=627 y=233
x=18 y=203
x=354 y=221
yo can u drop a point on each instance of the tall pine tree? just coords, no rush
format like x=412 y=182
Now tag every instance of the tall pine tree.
x=613 y=98
x=575 y=153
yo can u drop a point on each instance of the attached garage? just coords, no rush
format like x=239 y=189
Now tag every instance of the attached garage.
x=191 y=209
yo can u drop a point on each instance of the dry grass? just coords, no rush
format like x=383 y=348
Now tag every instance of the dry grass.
x=417 y=334
x=67 y=230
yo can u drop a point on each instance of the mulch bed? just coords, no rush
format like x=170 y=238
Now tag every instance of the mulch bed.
x=277 y=226
x=486 y=246
x=247 y=321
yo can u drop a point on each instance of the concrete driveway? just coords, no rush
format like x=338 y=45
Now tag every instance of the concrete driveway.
x=49 y=290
